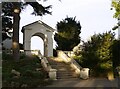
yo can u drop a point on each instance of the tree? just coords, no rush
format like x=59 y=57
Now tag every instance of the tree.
x=116 y=55
x=68 y=34
x=116 y=44
x=6 y=26
x=13 y=9
x=96 y=53
x=115 y=50
x=116 y=5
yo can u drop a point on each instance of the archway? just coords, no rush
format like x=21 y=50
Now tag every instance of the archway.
x=42 y=30
x=45 y=42
x=39 y=45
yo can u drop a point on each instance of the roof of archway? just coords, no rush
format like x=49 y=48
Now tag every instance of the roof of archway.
x=40 y=23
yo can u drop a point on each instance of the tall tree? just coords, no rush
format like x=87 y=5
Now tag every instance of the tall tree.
x=96 y=53
x=16 y=21
x=116 y=44
x=13 y=9
x=68 y=34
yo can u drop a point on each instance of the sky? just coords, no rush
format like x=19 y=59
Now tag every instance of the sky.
x=95 y=16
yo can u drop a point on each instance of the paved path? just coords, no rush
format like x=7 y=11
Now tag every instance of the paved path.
x=92 y=82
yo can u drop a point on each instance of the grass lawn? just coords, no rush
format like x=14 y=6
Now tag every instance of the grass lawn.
x=28 y=72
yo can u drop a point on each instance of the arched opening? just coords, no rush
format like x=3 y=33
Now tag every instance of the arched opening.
x=37 y=44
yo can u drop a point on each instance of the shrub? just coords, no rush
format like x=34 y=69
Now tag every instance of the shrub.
x=55 y=53
x=96 y=54
x=28 y=67
x=78 y=59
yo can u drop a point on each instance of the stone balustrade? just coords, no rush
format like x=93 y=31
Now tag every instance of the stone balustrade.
x=83 y=72
x=51 y=72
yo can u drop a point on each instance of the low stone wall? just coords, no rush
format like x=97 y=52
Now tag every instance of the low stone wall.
x=69 y=53
x=27 y=52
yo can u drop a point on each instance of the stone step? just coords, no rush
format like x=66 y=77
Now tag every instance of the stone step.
x=60 y=65
x=62 y=74
x=54 y=63
x=66 y=73
x=65 y=77
x=64 y=70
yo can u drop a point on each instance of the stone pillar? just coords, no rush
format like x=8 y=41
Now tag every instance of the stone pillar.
x=84 y=73
x=27 y=42
x=50 y=46
x=46 y=47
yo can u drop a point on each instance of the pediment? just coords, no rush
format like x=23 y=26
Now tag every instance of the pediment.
x=40 y=23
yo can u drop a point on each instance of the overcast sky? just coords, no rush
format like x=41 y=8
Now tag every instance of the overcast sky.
x=95 y=16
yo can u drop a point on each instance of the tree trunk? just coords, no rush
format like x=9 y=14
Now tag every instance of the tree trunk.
x=15 y=45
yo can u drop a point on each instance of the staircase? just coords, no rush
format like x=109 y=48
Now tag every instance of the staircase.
x=64 y=70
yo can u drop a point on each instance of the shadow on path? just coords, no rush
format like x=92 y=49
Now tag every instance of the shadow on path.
x=92 y=82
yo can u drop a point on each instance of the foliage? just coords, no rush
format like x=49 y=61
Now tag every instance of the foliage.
x=55 y=53
x=76 y=50
x=78 y=59
x=116 y=5
x=39 y=9
x=68 y=34
x=115 y=50
x=31 y=72
x=6 y=26
x=7 y=20
x=96 y=53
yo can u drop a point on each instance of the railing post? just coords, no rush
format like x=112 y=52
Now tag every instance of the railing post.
x=84 y=73
x=52 y=74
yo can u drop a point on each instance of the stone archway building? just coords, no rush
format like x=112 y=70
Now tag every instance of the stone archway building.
x=42 y=30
